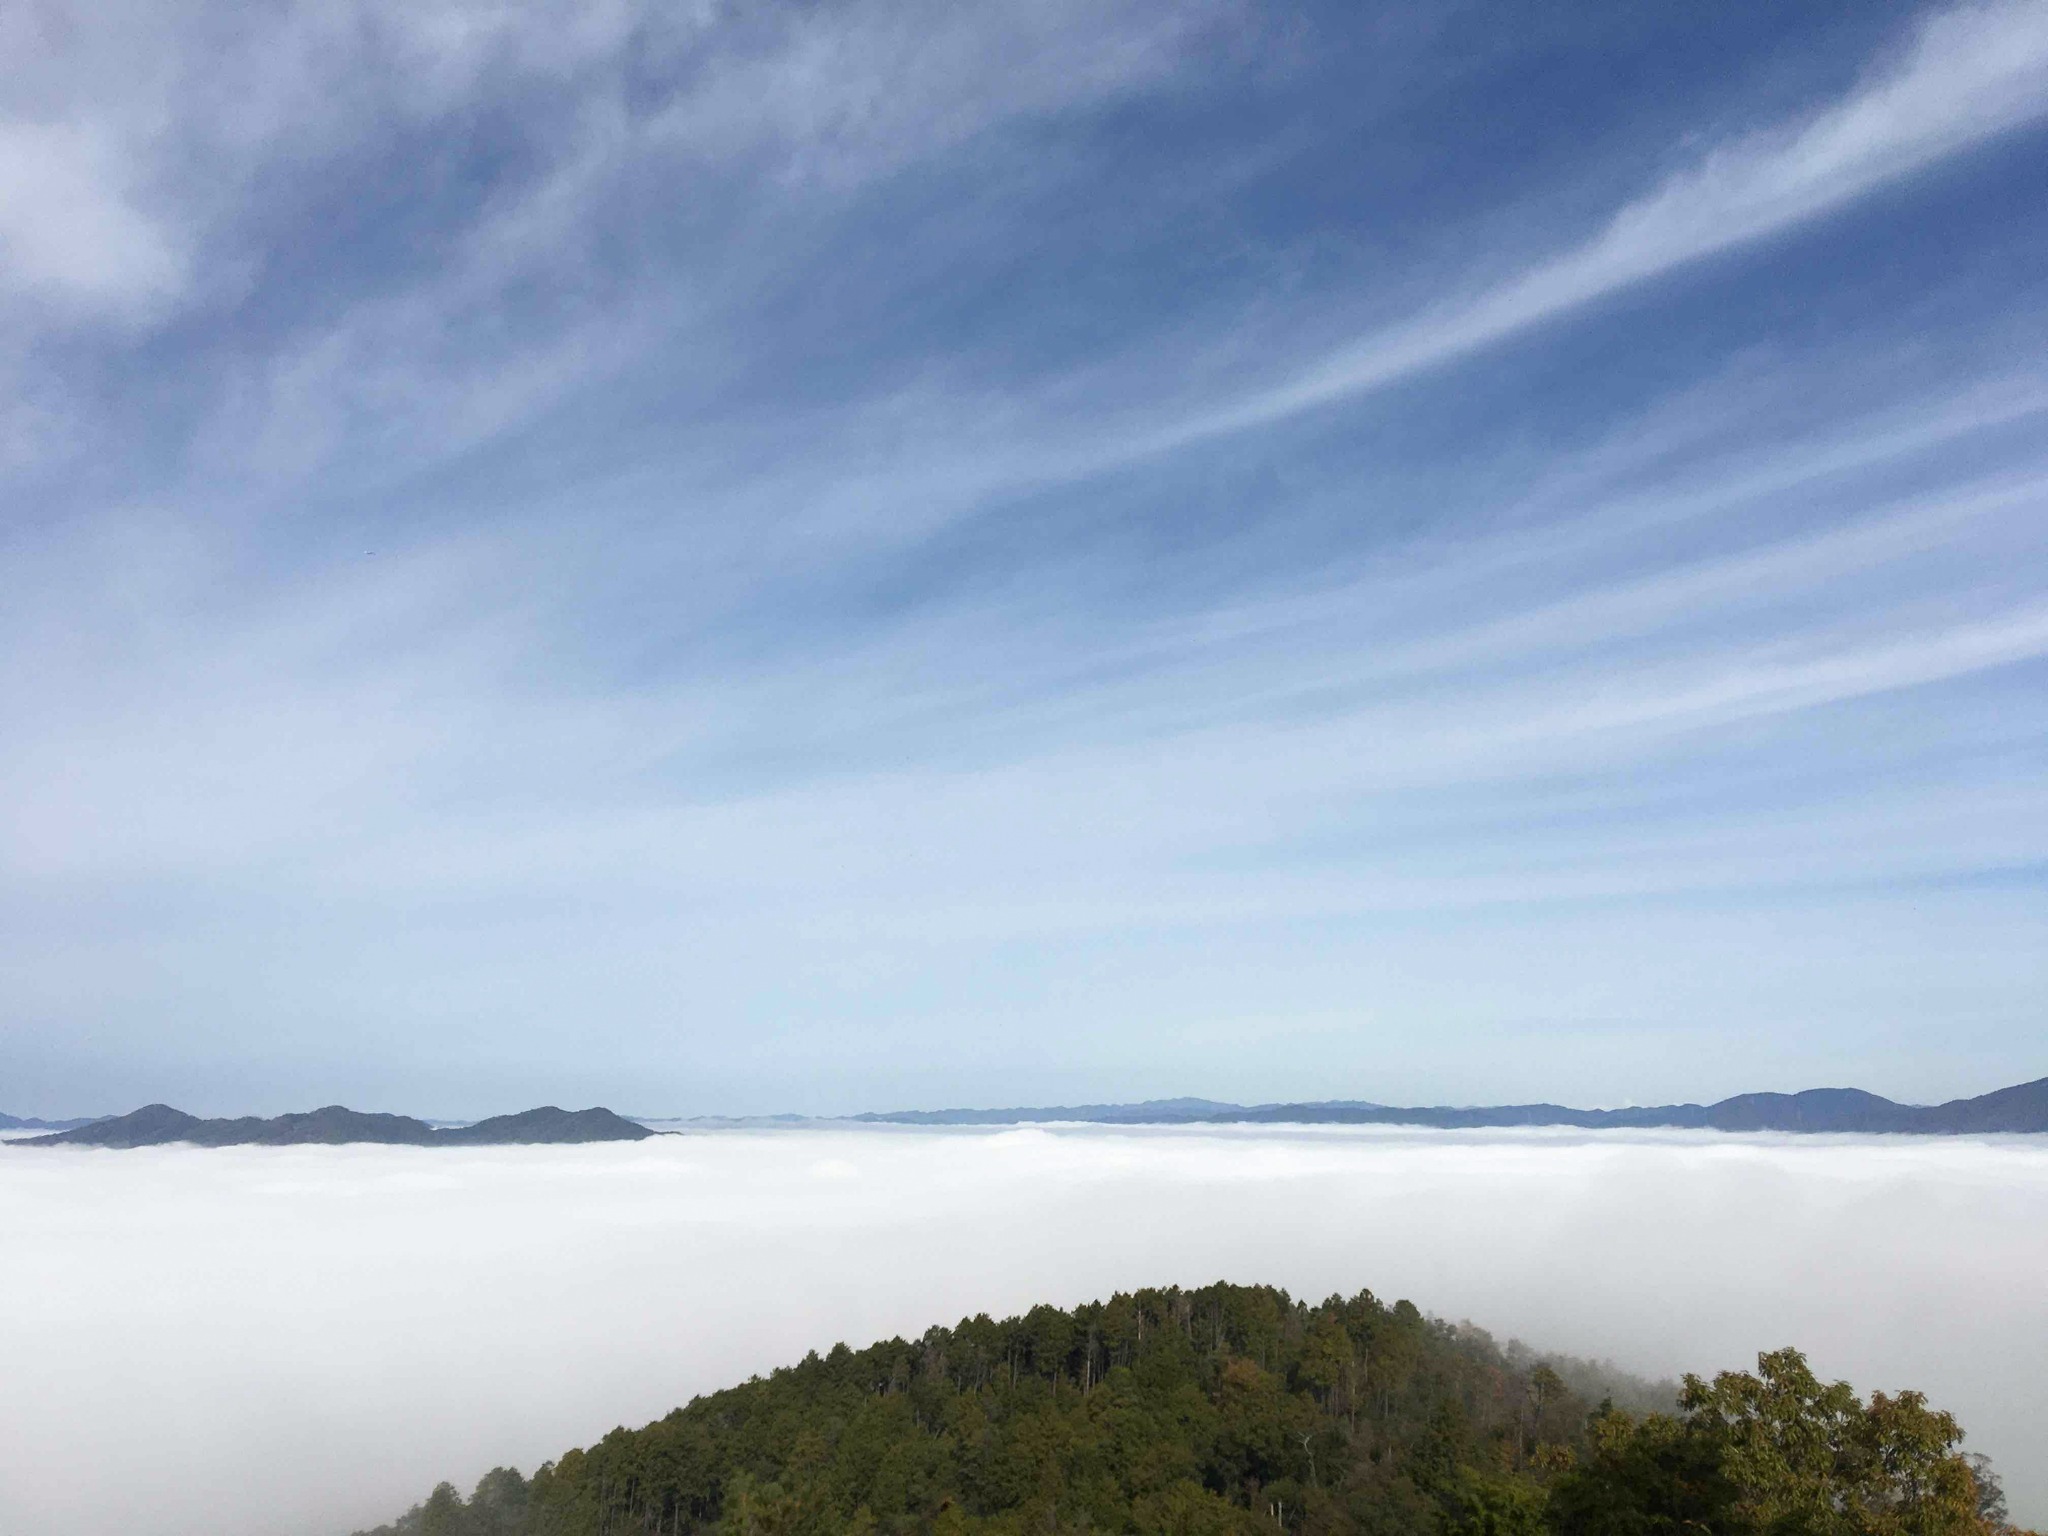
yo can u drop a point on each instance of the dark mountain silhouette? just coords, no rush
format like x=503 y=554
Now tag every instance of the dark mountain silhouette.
x=546 y=1124
x=156 y=1125
x=2022 y=1108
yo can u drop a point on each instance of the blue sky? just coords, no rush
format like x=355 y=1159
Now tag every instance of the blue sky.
x=727 y=559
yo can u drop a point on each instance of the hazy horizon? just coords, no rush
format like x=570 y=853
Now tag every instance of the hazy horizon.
x=662 y=1118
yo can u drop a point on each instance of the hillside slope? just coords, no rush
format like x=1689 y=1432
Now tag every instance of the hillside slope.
x=1226 y=1411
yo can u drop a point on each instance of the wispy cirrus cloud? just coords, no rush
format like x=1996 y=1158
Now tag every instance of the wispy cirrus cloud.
x=161 y=197
x=1970 y=74
x=747 y=508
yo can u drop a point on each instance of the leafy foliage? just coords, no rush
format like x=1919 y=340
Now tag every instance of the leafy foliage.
x=1780 y=1453
x=1232 y=1410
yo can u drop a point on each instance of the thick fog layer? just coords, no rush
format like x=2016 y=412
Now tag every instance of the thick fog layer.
x=307 y=1339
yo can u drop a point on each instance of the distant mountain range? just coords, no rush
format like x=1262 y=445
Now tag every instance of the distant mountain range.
x=11 y=1123
x=2023 y=1107
x=156 y=1125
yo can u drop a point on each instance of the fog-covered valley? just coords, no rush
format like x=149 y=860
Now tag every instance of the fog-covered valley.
x=304 y=1339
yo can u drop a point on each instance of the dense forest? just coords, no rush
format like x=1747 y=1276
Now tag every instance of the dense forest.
x=1238 y=1409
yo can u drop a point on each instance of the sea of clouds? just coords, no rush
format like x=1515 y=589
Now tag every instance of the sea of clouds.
x=306 y=1339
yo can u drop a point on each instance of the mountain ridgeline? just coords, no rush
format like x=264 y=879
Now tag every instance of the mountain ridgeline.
x=1234 y=1410
x=32 y=1123
x=156 y=1125
x=2021 y=1108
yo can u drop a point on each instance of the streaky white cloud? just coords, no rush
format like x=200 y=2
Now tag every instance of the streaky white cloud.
x=278 y=1370
x=1407 y=622
x=1973 y=72
x=811 y=108
x=131 y=135
x=394 y=723
x=844 y=95
x=1780 y=679
x=693 y=697
x=140 y=151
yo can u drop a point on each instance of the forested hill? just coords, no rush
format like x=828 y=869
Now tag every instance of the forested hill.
x=156 y=1125
x=2021 y=1108
x=1236 y=1409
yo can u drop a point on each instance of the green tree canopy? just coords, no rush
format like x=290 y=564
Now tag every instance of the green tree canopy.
x=1238 y=1409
